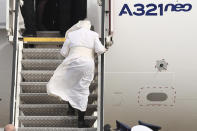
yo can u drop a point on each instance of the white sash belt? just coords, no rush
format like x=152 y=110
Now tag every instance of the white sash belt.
x=82 y=51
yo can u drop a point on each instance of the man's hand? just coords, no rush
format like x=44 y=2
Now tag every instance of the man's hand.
x=109 y=41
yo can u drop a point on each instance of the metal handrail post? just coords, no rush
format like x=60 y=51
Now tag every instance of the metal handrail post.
x=102 y=67
x=15 y=41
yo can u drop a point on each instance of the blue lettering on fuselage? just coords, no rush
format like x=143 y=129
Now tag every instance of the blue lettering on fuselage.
x=125 y=10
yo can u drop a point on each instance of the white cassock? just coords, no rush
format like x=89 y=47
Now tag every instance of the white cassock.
x=141 y=128
x=72 y=78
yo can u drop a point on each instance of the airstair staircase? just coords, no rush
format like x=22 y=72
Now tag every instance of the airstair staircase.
x=35 y=110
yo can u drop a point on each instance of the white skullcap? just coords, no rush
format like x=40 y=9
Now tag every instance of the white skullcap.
x=84 y=24
x=80 y=24
x=140 y=128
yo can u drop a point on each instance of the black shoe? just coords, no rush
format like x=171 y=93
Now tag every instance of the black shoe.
x=28 y=33
x=82 y=124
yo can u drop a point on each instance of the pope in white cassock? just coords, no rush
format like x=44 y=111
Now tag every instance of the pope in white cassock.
x=72 y=78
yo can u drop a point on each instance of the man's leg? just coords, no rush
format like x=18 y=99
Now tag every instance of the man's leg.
x=28 y=13
x=71 y=110
x=64 y=15
x=81 y=119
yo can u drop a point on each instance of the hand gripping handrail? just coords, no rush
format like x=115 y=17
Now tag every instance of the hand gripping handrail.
x=99 y=2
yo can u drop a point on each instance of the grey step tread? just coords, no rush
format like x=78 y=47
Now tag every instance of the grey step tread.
x=51 y=109
x=44 y=98
x=42 y=53
x=54 y=121
x=41 y=64
x=45 y=64
x=55 y=129
x=38 y=75
x=51 y=32
x=40 y=87
x=33 y=87
x=48 y=33
x=41 y=50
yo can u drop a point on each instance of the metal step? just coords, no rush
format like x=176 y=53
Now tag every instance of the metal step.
x=40 y=87
x=45 y=53
x=33 y=87
x=44 y=40
x=48 y=33
x=53 y=121
x=55 y=129
x=37 y=75
x=40 y=75
x=51 y=109
x=40 y=64
x=44 y=98
x=42 y=53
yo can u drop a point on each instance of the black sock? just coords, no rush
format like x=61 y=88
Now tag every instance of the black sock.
x=81 y=115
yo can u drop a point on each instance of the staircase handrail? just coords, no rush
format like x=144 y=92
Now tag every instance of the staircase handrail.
x=14 y=63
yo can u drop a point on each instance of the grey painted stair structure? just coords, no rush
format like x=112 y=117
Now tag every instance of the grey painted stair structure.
x=38 y=111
